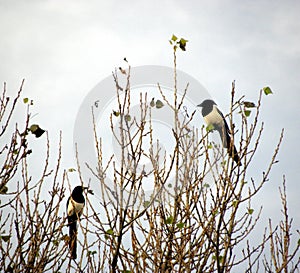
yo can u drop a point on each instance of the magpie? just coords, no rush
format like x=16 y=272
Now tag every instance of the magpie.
x=212 y=115
x=75 y=205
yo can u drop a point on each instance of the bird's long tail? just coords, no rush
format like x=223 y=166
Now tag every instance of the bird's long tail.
x=232 y=150
x=228 y=143
x=73 y=238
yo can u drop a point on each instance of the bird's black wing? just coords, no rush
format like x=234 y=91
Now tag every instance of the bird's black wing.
x=72 y=223
x=223 y=130
x=227 y=140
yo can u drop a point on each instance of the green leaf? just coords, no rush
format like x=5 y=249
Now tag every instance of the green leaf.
x=126 y=271
x=234 y=203
x=214 y=212
x=182 y=44
x=250 y=211
x=116 y=113
x=223 y=163
x=209 y=146
x=36 y=130
x=108 y=233
x=3 y=189
x=267 y=90
x=159 y=104
x=90 y=253
x=146 y=204
x=25 y=100
x=127 y=118
x=247 y=113
x=174 y=38
x=152 y=103
x=169 y=220
x=65 y=238
x=206 y=185
x=180 y=225
x=71 y=170
x=214 y=257
x=299 y=242
x=169 y=185
x=249 y=104
x=210 y=128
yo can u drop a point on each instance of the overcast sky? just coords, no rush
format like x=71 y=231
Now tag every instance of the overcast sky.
x=64 y=48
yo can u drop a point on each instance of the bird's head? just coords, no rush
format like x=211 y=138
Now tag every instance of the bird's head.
x=206 y=103
x=79 y=189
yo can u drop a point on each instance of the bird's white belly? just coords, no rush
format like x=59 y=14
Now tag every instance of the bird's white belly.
x=75 y=207
x=213 y=118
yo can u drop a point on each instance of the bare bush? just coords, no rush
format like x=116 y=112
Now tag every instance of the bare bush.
x=198 y=218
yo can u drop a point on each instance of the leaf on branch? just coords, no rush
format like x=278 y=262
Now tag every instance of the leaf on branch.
x=267 y=90
x=223 y=163
x=3 y=189
x=65 y=238
x=250 y=211
x=247 y=113
x=210 y=128
x=146 y=204
x=180 y=225
x=127 y=118
x=214 y=212
x=214 y=257
x=109 y=232
x=71 y=170
x=25 y=100
x=116 y=113
x=169 y=220
x=234 y=203
x=182 y=44
x=152 y=103
x=249 y=104
x=159 y=104
x=36 y=130
x=174 y=38
x=90 y=253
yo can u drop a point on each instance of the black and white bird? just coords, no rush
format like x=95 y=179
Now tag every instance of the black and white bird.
x=75 y=207
x=213 y=116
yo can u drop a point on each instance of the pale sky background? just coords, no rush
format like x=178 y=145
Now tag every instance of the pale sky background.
x=64 y=48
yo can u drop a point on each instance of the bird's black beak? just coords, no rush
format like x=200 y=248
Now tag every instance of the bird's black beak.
x=85 y=188
x=200 y=105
